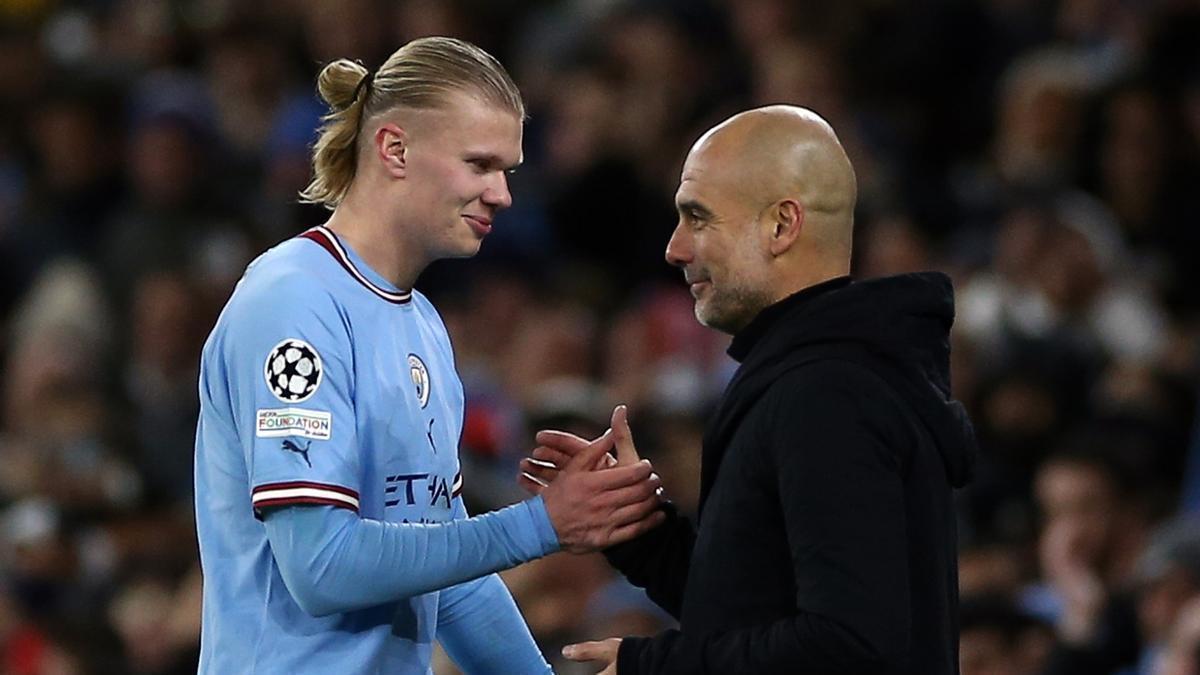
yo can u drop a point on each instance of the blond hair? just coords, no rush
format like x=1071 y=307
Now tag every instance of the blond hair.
x=419 y=75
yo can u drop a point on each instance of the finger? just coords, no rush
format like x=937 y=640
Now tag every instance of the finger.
x=561 y=441
x=636 y=529
x=559 y=458
x=587 y=458
x=621 y=476
x=541 y=473
x=531 y=484
x=550 y=459
x=538 y=467
x=584 y=651
x=632 y=513
x=545 y=453
x=631 y=494
x=623 y=436
x=534 y=479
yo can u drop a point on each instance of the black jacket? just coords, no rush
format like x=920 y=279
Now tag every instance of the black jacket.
x=826 y=539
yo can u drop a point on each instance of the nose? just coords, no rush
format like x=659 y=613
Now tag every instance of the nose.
x=679 y=248
x=497 y=194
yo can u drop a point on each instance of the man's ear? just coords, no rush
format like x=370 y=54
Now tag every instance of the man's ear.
x=788 y=220
x=391 y=146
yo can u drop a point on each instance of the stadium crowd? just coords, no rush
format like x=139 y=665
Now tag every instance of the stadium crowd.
x=1044 y=153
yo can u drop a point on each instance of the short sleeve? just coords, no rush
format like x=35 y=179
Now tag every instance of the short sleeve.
x=290 y=361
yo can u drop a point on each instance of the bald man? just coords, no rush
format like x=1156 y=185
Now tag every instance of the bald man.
x=826 y=536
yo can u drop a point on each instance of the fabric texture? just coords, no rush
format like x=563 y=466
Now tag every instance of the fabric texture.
x=826 y=539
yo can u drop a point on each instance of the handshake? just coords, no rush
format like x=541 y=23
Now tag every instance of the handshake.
x=593 y=499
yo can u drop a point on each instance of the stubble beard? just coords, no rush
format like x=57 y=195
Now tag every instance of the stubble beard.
x=729 y=310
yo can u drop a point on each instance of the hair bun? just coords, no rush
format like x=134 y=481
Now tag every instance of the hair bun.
x=339 y=82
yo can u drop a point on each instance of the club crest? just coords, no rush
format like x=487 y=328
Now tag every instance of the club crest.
x=420 y=378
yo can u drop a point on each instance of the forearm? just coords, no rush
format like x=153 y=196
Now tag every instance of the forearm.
x=334 y=561
x=482 y=630
x=658 y=561
x=806 y=643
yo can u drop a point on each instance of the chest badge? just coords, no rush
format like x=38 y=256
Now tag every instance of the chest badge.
x=420 y=378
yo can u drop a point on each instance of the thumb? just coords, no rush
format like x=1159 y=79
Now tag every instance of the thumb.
x=584 y=651
x=623 y=437
x=590 y=454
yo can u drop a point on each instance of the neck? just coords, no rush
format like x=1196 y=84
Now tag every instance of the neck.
x=361 y=222
x=808 y=274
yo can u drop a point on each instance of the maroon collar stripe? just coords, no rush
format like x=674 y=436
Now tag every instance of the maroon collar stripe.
x=326 y=239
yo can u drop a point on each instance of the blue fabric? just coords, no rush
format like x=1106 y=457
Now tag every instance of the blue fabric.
x=330 y=406
x=479 y=624
x=481 y=629
x=334 y=562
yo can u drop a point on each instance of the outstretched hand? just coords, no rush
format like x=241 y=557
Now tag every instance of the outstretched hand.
x=593 y=499
x=556 y=448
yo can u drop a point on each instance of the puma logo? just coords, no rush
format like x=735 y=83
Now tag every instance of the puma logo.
x=303 y=452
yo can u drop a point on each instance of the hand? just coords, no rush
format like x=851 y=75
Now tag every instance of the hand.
x=594 y=503
x=603 y=652
x=556 y=448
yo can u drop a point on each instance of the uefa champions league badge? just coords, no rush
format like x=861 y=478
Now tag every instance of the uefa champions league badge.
x=293 y=371
x=420 y=378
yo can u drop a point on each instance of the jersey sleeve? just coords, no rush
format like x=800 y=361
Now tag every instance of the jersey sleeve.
x=290 y=359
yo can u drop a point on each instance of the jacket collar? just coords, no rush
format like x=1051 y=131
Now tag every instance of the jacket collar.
x=760 y=325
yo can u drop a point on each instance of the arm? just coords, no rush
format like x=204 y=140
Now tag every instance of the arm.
x=482 y=630
x=658 y=560
x=326 y=553
x=842 y=501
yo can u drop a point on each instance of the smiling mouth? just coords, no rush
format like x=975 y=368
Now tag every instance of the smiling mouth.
x=479 y=224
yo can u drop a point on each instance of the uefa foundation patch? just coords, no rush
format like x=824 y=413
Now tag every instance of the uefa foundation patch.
x=314 y=424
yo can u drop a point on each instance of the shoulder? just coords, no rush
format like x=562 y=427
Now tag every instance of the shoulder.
x=826 y=377
x=833 y=390
x=835 y=404
x=284 y=293
x=290 y=275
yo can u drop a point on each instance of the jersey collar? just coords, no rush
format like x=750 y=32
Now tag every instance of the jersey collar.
x=329 y=241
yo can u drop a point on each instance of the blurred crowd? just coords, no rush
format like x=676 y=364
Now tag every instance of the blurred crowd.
x=1045 y=153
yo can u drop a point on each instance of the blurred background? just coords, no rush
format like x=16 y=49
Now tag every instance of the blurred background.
x=1044 y=153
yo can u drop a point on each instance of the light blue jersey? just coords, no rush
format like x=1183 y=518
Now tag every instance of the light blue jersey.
x=321 y=384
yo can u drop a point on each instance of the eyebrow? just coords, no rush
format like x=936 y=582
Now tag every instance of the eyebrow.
x=693 y=207
x=494 y=160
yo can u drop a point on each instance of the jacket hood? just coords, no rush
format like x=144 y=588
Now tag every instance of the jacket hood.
x=901 y=323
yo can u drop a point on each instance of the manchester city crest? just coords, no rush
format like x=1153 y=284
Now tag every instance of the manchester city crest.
x=420 y=378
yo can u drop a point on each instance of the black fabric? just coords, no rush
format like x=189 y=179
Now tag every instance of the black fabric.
x=826 y=539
